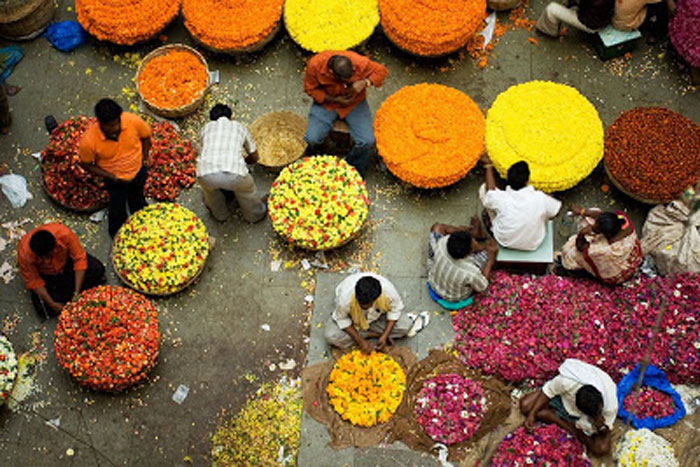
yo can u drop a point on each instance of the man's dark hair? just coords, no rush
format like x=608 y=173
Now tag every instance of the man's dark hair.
x=107 y=111
x=341 y=66
x=518 y=175
x=42 y=242
x=459 y=244
x=218 y=111
x=367 y=290
x=589 y=400
x=609 y=224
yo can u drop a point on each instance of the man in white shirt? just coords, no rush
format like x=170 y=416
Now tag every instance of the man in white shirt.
x=367 y=306
x=222 y=166
x=518 y=215
x=582 y=399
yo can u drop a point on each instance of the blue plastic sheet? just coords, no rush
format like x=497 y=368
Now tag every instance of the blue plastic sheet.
x=66 y=35
x=9 y=57
x=448 y=305
x=654 y=378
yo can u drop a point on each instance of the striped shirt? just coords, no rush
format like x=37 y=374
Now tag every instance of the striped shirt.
x=456 y=279
x=223 y=142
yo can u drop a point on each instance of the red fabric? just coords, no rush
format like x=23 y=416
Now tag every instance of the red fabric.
x=320 y=80
x=31 y=265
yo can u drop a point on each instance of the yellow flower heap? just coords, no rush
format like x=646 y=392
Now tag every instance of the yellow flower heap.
x=160 y=248
x=366 y=389
x=552 y=127
x=318 y=202
x=319 y=25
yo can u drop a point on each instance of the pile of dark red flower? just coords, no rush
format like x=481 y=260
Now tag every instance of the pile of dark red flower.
x=171 y=167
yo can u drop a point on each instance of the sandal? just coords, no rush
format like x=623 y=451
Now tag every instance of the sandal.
x=419 y=323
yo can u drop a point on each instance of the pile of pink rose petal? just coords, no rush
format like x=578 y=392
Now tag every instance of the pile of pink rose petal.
x=545 y=445
x=526 y=326
x=650 y=403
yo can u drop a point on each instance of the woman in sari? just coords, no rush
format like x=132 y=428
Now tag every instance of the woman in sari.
x=605 y=246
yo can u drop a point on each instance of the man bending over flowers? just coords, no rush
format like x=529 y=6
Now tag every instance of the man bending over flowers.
x=582 y=399
x=367 y=306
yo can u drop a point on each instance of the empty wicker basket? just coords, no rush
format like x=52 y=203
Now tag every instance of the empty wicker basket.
x=279 y=137
x=25 y=19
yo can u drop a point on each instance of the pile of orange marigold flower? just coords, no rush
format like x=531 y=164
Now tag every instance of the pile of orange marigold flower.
x=172 y=80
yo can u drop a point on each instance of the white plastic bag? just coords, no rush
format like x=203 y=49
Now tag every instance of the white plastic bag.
x=671 y=235
x=15 y=188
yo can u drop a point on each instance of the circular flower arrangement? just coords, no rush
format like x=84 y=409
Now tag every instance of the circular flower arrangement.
x=8 y=368
x=126 y=22
x=429 y=135
x=683 y=31
x=653 y=153
x=318 y=203
x=161 y=249
x=174 y=79
x=232 y=25
x=545 y=445
x=319 y=25
x=431 y=27
x=108 y=339
x=643 y=447
x=650 y=403
x=552 y=127
x=171 y=167
x=450 y=407
x=366 y=389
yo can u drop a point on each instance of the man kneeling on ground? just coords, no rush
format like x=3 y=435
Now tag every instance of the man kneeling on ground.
x=367 y=306
x=582 y=399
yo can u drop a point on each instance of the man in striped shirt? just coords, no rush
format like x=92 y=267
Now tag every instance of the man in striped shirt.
x=459 y=264
x=222 y=166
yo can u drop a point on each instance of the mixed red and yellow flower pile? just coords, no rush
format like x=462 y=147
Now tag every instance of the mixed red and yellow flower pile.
x=160 y=249
x=172 y=80
x=172 y=163
x=108 y=339
x=126 y=22
x=429 y=135
x=366 y=389
x=431 y=27
x=318 y=203
x=230 y=25
x=653 y=153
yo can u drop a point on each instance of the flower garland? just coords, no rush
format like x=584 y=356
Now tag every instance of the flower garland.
x=319 y=25
x=534 y=122
x=652 y=152
x=232 y=24
x=126 y=22
x=429 y=135
x=160 y=249
x=267 y=425
x=8 y=368
x=108 y=338
x=545 y=445
x=173 y=80
x=450 y=407
x=515 y=330
x=171 y=167
x=640 y=448
x=683 y=30
x=366 y=389
x=318 y=202
x=650 y=403
x=431 y=27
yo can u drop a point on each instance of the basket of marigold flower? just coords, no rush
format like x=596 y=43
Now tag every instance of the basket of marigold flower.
x=126 y=22
x=429 y=135
x=173 y=80
x=233 y=26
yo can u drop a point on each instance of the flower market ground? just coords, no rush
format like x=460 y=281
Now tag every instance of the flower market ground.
x=232 y=329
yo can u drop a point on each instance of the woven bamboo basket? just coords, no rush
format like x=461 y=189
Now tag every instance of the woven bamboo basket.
x=244 y=50
x=502 y=5
x=279 y=137
x=628 y=193
x=185 y=109
x=24 y=20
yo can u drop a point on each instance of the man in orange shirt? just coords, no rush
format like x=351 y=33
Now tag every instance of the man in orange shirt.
x=116 y=148
x=338 y=81
x=55 y=267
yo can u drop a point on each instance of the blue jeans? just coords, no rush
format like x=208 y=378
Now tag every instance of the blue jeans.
x=359 y=121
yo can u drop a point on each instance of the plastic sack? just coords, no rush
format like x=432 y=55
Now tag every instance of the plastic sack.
x=653 y=378
x=9 y=57
x=66 y=35
x=452 y=306
x=15 y=188
x=671 y=235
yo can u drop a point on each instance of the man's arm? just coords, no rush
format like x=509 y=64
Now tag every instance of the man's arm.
x=492 y=249
x=381 y=342
x=376 y=73
x=79 y=279
x=252 y=158
x=251 y=148
x=488 y=167
x=95 y=170
x=312 y=87
x=361 y=343
x=541 y=400
x=44 y=295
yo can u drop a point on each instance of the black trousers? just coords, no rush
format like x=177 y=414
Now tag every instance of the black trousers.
x=61 y=286
x=121 y=194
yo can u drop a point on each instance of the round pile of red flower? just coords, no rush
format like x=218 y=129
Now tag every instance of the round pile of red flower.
x=650 y=402
x=653 y=153
x=108 y=339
